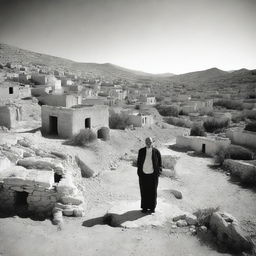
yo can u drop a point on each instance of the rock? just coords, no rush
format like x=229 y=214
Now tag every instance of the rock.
x=181 y=223
x=4 y=162
x=68 y=212
x=79 y=212
x=25 y=143
x=72 y=199
x=170 y=173
x=176 y=193
x=179 y=217
x=60 y=155
x=191 y=219
x=66 y=186
x=86 y=171
x=202 y=229
x=228 y=232
x=42 y=163
x=192 y=230
x=57 y=218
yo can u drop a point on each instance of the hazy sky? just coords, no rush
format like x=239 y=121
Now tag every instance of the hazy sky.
x=155 y=36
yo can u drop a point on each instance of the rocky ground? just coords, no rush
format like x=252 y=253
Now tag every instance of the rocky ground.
x=114 y=191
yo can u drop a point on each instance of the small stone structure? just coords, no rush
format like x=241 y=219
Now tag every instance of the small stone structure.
x=244 y=138
x=61 y=100
x=10 y=115
x=141 y=120
x=9 y=91
x=66 y=122
x=209 y=146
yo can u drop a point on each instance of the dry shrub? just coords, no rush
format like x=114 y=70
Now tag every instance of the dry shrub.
x=103 y=133
x=119 y=121
x=197 y=130
x=204 y=215
x=233 y=152
x=84 y=137
x=216 y=125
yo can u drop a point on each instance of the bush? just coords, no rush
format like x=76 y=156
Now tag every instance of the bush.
x=197 y=130
x=233 y=152
x=179 y=122
x=84 y=137
x=167 y=110
x=204 y=215
x=251 y=127
x=215 y=125
x=229 y=104
x=119 y=121
x=103 y=133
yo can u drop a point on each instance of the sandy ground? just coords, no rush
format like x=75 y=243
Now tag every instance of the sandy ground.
x=200 y=185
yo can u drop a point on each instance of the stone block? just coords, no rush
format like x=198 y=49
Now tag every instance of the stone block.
x=179 y=217
x=181 y=223
x=191 y=219
x=4 y=163
x=169 y=161
x=16 y=188
x=228 y=231
x=76 y=199
x=68 y=212
x=86 y=171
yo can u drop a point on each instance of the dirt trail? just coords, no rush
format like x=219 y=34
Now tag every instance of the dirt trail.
x=201 y=187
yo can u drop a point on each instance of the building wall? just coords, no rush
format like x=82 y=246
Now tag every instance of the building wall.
x=40 y=91
x=244 y=138
x=10 y=116
x=61 y=100
x=212 y=146
x=72 y=120
x=5 y=93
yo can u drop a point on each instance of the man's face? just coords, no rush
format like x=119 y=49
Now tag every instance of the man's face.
x=149 y=142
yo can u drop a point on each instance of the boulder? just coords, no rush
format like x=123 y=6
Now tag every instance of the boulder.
x=25 y=143
x=42 y=163
x=66 y=186
x=191 y=219
x=176 y=193
x=179 y=217
x=228 y=232
x=57 y=217
x=86 y=171
x=72 y=199
x=181 y=223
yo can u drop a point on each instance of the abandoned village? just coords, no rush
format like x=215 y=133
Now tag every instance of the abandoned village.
x=77 y=108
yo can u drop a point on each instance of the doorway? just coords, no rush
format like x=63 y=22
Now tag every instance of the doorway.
x=203 y=148
x=53 y=124
x=10 y=90
x=87 y=123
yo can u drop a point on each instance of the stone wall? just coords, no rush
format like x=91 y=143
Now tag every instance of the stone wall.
x=211 y=146
x=61 y=100
x=244 y=138
x=10 y=115
x=6 y=93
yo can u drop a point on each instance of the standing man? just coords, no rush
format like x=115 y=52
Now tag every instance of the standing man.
x=149 y=165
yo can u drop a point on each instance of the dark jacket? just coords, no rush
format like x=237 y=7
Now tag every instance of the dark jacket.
x=156 y=160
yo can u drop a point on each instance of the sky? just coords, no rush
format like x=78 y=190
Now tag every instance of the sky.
x=156 y=36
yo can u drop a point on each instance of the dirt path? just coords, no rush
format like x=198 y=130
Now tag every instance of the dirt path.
x=201 y=187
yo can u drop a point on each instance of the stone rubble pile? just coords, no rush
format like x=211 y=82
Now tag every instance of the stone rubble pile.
x=32 y=175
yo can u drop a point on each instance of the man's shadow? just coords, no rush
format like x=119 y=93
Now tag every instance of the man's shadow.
x=113 y=219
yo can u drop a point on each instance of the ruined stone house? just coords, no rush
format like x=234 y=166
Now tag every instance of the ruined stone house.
x=66 y=122
x=206 y=145
x=10 y=115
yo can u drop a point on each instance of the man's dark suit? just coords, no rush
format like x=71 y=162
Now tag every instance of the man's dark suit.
x=149 y=182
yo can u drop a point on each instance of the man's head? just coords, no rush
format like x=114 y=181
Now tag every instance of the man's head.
x=149 y=142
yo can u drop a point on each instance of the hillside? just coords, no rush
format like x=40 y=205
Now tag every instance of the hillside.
x=107 y=70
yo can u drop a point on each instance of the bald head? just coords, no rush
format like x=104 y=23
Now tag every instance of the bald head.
x=148 y=142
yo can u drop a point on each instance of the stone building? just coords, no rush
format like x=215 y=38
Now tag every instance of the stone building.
x=9 y=91
x=148 y=100
x=206 y=145
x=141 y=120
x=66 y=122
x=10 y=115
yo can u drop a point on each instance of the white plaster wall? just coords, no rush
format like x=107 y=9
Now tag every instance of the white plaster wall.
x=196 y=143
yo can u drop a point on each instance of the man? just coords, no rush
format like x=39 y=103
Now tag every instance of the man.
x=149 y=165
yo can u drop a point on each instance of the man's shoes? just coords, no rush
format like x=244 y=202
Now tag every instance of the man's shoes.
x=144 y=210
